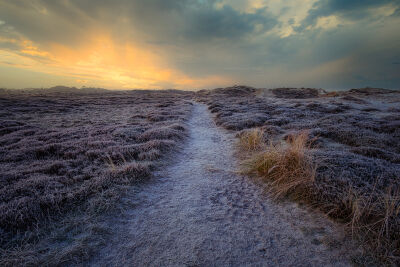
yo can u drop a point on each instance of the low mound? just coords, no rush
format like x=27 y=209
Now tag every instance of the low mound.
x=293 y=93
x=371 y=91
x=233 y=91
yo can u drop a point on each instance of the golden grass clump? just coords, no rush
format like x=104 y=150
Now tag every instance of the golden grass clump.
x=287 y=167
x=252 y=140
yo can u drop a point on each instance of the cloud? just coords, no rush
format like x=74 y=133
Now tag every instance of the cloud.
x=347 y=9
x=204 y=43
x=191 y=20
x=210 y=23
x=396 y=12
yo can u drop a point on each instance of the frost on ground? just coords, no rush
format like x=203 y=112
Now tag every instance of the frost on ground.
x=356 y=144
x=200 y=212
x=69 y=150
x=67 y=156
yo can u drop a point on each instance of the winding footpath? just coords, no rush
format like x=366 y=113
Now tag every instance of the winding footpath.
x=199 y=212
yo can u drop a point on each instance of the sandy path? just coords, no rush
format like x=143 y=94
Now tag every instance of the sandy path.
x=198 y=212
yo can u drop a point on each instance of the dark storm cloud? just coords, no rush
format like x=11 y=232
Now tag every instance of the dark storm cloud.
x=349 y=9
x=397 y=12
x=227 y=23
x=164 y=20
x=194 y=21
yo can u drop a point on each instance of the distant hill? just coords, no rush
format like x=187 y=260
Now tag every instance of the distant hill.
x=65 y=89
x=61 y=89
x=372 y=91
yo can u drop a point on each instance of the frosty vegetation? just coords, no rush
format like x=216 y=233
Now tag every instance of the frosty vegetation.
x=66 y=149
x=353 y=138
x=63 y=149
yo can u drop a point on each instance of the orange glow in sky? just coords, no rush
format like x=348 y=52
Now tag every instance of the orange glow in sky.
x=101 y=61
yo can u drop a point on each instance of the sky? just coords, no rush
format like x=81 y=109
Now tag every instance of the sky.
x=196 y=44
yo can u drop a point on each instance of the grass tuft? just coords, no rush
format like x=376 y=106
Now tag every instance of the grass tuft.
x=287 y=167
x=252 y=140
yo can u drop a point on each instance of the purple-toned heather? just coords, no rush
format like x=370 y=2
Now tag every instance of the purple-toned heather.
x=355 y=133
x=57 y=150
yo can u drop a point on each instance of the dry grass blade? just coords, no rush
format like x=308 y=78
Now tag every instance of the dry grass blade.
x=391 y=202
